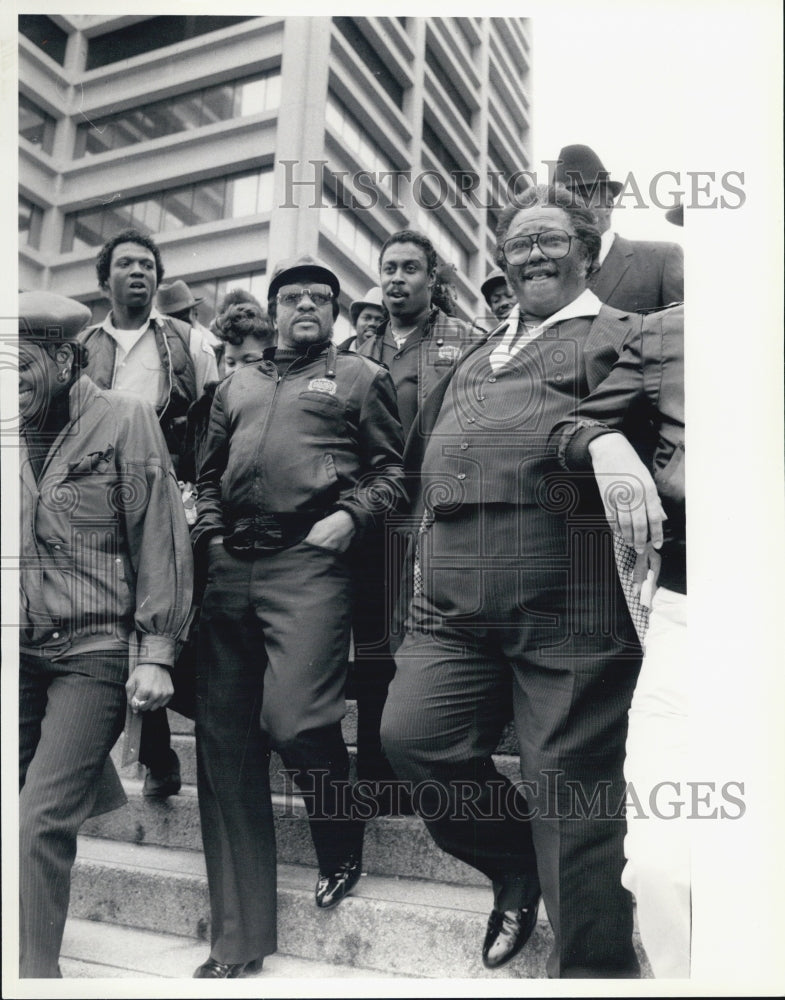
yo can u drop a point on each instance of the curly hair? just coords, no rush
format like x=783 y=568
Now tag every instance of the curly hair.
x=410 y=236
x=582 y=219
x=104 y=260
x=242 y=317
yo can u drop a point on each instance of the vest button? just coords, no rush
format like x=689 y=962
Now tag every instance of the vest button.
x=470 y=420
x=461 y=475
x=55 y=635
x=491 y=379
x=464 y=445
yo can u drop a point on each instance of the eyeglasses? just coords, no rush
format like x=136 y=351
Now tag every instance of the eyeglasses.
x=553 y=244
x=293 y=298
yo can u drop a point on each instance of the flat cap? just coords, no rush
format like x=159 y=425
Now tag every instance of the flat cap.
x=299 y=268
x=51 y=317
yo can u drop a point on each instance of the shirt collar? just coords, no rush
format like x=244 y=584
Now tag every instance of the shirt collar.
x=606 y=242
x=586 y=304
x=110 y=328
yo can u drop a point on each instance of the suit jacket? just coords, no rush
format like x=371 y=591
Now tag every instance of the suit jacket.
x=600 y=340
x=649 y=371
x=640 y=274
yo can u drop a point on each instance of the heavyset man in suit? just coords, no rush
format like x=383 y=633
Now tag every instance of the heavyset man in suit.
x=519 y=600
x=632 y=274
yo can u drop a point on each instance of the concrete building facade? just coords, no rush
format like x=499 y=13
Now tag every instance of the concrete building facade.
x=237 y=141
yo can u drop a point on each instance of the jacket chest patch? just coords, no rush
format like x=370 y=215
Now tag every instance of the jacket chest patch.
x=322 y=385
x=449 y=352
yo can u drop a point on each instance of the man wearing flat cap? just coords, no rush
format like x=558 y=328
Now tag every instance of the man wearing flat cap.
x=638 y=275
x=302 y=458
x=106 y=575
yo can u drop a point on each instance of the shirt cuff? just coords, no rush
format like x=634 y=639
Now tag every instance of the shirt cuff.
x=157 y=649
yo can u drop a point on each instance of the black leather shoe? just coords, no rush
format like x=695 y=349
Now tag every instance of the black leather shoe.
x=330 y=889
x=161 y=782
x=217 y=970
x=508 y=931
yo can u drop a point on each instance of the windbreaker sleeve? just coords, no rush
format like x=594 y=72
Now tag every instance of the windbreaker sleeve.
x=215 y=453
x=157 y=536
x=380 y=488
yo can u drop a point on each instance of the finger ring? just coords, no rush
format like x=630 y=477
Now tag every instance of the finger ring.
x=137 y=704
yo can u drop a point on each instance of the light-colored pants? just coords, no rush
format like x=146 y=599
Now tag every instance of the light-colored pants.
x=657 y=847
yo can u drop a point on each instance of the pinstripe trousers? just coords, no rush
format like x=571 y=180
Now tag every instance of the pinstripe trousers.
x=71 y=713
x=522 y=612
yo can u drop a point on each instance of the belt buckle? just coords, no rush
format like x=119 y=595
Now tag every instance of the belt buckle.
x=268 y=533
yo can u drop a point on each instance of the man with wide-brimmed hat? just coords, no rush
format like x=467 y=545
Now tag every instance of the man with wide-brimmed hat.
x=176 y=299
x=366 y=314
x=631 y=274
x=302 y=457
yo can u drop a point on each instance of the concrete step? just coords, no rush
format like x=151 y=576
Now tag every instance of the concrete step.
x=400 y=926
x=93 y=950
x=393 y=846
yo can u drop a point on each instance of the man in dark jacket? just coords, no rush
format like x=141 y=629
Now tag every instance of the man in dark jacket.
x=517 y=604
x=631 y=274
x=165 y=362
x=302 y=457
x=649 y=377
x=419 y=343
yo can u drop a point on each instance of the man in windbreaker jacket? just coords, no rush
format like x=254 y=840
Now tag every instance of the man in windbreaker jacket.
x=302 y=457
x=106 y=576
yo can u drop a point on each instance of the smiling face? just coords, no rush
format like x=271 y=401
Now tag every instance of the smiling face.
x=132 y=278
x=406 y=282
x=543 y=286
x=306 y=322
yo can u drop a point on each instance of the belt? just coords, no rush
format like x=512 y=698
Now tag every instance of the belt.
x=261 y=533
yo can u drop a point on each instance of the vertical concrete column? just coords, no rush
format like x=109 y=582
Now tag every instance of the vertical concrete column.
x=299 y=146
x=413 y=110
x=480 y=263
x=70 y=94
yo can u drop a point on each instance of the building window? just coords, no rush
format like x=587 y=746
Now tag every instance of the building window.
x=355 y=137
x=350 y=28
x=213 y=290
x=36 y=125
x=43 y=32
x=444 y=76
x=31 y=219
x=449 y=249
x=347 y=228
x=444 y=156
x=150 y=34
x=223 y=102
x=231 y=197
